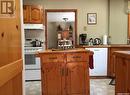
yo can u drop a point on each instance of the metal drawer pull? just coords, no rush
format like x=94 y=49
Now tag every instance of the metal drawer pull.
x=76 y=57
x=66 y=72
x=96 y=50
x=62 y=72
x=53 y=58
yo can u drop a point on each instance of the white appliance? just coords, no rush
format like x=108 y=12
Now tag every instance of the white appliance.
x=100 y=62
x=32 y=63
x=34 y=26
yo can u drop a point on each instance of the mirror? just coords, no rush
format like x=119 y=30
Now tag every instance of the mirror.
x=61 y=28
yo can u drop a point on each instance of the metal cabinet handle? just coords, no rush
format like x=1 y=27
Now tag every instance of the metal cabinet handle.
x=96 y=50
x=66 y=72
x=62 y=72
x=76 y=56
x=53 y=58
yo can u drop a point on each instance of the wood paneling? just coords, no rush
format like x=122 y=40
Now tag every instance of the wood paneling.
x=9 y=71
x=10 y=53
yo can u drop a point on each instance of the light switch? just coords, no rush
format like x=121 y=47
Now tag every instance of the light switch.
x=85 y=28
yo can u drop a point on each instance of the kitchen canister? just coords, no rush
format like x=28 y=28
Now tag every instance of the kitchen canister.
x=105 y=38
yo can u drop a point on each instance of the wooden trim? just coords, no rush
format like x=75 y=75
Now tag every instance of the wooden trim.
x=128 y=26
x=61 y=10
x=9 y=71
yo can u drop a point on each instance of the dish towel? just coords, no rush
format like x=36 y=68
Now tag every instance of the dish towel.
x=91 y=66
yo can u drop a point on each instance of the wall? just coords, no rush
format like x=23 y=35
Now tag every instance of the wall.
x=114 y=24
x=118 y=21
x=36 y=34
x=84 y=6
x=52 y=35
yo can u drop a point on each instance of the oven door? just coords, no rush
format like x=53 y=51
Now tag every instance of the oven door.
x=32 y=62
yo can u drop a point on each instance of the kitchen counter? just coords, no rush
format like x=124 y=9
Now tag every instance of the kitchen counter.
x=67 y=50
x=64 y=64
x=103 y=46
x=125 y=54
x=122 y=72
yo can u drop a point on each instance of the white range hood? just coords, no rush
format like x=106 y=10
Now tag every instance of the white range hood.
x=34 y=26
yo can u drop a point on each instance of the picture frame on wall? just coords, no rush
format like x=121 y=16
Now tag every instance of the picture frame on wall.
x=91 y=18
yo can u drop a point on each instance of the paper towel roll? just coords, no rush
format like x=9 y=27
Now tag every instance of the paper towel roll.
x=105 y=39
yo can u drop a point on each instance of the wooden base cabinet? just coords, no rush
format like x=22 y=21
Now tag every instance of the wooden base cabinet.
x=65 y=73
x=111 y=59
x=122 y=73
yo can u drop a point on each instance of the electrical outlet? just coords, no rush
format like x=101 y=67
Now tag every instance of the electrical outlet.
x=85 y=28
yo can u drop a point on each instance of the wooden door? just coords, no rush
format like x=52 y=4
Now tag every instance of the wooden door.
x=10 y=51
x=76 y=78
x=52 y=78
x=36 y=14
x=26 y=13
x=121 y=75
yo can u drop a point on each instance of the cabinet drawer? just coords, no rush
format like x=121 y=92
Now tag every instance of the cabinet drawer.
x=53 y=58
x=72 y=57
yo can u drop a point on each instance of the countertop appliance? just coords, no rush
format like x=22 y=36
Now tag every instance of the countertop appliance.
x=32 y=63
x=97 y=41
x=83 y=39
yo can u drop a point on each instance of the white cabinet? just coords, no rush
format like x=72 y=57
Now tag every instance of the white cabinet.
x=100 y=62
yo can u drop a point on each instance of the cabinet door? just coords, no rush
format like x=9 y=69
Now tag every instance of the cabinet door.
x=111 y=59
x=76 y=78
x=128 y=75
x=36 y=14
x=52 y=78
x=121 y=75
x=26 y=12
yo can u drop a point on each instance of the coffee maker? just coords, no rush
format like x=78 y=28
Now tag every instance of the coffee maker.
x=83 y=39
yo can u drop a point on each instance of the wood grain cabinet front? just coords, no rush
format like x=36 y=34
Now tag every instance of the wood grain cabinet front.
x=111 y=59
x=122 y=73
x=65 y=74
x=33 y=14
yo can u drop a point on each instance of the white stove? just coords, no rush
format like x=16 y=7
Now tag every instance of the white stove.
x=32 y=63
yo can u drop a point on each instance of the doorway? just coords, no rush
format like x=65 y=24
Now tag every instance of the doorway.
x=57 y=21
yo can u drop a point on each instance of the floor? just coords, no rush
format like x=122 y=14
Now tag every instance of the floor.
x=97 y=87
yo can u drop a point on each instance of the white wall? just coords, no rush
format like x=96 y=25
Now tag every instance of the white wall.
x=83 y=6
x=118 y=22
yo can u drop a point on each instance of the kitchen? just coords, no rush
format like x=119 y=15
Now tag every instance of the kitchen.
x=107 y=21
x=105 y=26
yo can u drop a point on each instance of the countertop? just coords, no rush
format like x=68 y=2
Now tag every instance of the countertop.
x=103 y=46
x=125 y=54
x=64 y=51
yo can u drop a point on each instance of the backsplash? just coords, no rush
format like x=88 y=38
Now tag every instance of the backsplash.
x=35 y=34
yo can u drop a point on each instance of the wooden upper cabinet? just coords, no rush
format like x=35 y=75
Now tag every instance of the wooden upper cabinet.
x=33 y=14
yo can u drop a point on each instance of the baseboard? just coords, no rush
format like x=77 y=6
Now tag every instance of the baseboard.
x=99 y=77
